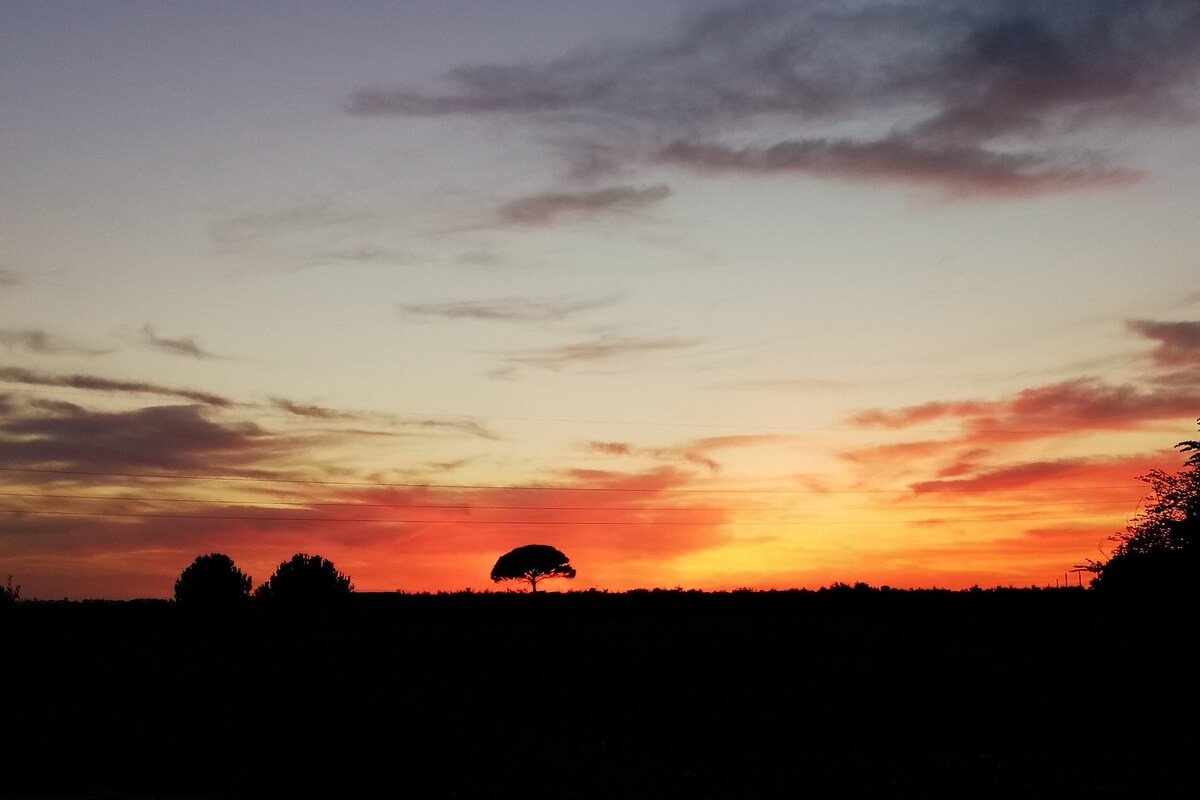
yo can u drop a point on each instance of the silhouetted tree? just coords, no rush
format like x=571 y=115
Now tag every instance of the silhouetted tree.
x=532 y=563
x=306 y=579
x=212 y=580
x=1158 y=549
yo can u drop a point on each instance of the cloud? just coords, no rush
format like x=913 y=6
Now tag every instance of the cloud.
x=469 y=427
x=789 y=384
x=236 y=233
x=184 y=346
x=509 y=309
x=155 y=438
x=612 y=448
x=1053 y=474
x=93 y=383
x=43 y=342
x=958 y=171
x=696 y=452
x=480 y=90
x=1178 y=342
x=424 y=426
x=1081 y=404
x=915 y=415
x=311 y=412
x=543 y=209
x=601 y=350
x=9 y=277
x=992 y=98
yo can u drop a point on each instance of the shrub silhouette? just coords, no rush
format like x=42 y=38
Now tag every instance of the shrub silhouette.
x=305 y=579
x=532 y=563
x=1157 y=551
x=10 y=595
x=212 y=580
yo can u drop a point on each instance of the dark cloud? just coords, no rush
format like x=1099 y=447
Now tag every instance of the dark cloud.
x=1017 y=64
x=543 y=209
x=43 y=342
x=982 y=97
x=93 y=383
x=509 y=309
x=183 y=346
x=1178 y=342
x=167 y=438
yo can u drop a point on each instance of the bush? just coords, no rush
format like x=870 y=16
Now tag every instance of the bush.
x=10 y=595
x=212 y=580
x=305 y=579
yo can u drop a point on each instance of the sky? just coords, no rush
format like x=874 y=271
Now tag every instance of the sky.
x=745 y=295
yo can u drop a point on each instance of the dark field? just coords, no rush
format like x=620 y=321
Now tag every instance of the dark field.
x=838 y=693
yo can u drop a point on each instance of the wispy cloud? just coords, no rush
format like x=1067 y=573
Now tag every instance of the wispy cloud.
x=391 y=422
x=182 y=346
x=510 y=309
x=9 y=277
x=958 y=171
x=97 y=384
x=36 y=340
x=543 y=209
x=699 y=452
x=789 y=385
x=603 y=350
x=459 y=426
x=309 y=411
x=236 y=233
x=993 y=98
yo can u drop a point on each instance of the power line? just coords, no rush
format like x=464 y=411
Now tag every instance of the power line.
x=497 y=487
x=466 y=507
x=393 y=521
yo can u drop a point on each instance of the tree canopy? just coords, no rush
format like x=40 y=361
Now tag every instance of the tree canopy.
x=212 y=580
x=306 y=579
x=532 y=563
x=1157 y=550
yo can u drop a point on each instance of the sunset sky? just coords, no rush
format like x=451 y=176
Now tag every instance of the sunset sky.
x=705 y=295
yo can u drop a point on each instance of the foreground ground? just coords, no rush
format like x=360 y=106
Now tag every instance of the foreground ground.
x=999 y=694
